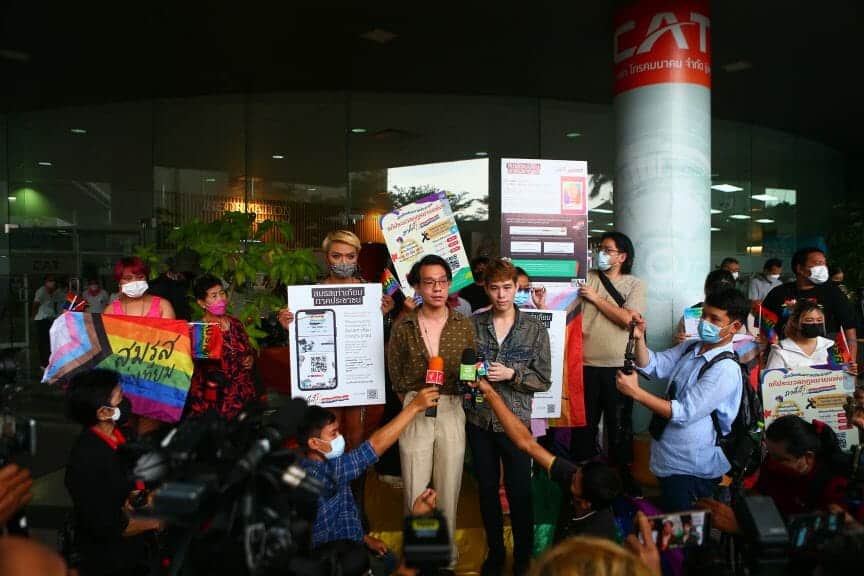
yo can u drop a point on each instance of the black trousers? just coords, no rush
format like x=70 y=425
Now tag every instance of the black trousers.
x=602 y=398
x=488 y=448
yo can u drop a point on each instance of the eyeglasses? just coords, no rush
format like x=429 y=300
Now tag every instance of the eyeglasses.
x=605 y=250
x=429 y=283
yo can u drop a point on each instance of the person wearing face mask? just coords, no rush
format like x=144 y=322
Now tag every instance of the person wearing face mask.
x=342 y=250
x=761 y=284
x=236 y=362
x=110 y=540
x=685 y=456
x=96 y=297
x=811 y=283
x=47 y=305
x=475 y=293
x=805 y=343
x=131 y=275
x=338 y=517
x=611 y=298
x=732 y=266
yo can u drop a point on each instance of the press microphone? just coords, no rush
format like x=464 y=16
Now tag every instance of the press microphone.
x=434 y=377
x=468 y=376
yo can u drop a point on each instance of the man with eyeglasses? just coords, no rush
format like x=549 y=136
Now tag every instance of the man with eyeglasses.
x=431 y=449
x=611 y=297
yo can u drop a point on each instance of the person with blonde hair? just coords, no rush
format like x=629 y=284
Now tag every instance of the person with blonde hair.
x=341 y=251
x=587 y=556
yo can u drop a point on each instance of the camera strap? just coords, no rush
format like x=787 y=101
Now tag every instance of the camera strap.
x=610 y=288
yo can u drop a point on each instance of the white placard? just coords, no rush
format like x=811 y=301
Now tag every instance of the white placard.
x=548 y=404
x=559 y=248
x=337 y=344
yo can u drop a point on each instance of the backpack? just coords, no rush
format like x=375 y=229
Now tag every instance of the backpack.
x=743 y=445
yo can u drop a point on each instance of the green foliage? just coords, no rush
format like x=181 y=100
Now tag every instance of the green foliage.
x=151 y=258
x=845 y=242
x=234 y=249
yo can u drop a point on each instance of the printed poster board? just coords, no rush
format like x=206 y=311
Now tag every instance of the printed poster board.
x=548 y=404
x=337 y=344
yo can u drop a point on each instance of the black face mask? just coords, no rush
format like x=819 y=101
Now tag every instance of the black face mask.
x=812 y=330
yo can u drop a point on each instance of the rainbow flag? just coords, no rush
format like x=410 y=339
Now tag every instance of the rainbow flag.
x=768 y=325
x=152 y=355
x=206 y=340
x=390 y=283
x=839 y=356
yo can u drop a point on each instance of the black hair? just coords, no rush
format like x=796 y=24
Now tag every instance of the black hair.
x=796 y=434
x=601 y=485
x=800 y=257
x=772 y=263
x=203 y=284
x=477 y=260
x=834 y=269
x=521 y=272
x=622 y=244
x=429 y=260
x=314 y=420
x=719 y=279
x=729 y=260
x=89 y=391
x=735 y=304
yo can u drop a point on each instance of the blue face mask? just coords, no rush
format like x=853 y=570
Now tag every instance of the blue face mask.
x=709 y=333
x=603 y=261
x=522 y=297
x=337 y=448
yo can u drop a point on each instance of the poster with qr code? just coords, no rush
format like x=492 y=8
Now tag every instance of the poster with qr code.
x=548 y=404
x=337 y=344
x=426 y=226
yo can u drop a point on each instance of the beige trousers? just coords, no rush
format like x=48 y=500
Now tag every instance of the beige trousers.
x=433 y=449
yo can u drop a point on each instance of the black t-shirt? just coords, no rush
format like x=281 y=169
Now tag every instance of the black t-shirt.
x=836 y=307
x=176 y=292
x=476 y=296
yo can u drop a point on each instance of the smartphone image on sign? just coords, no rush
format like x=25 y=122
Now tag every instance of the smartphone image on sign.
x=681 y=530
x=316 y=349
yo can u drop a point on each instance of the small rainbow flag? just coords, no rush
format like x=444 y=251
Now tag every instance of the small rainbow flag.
x=839 y=356
x=390 y=283
x=768 y=325
x=74 y=303
x=153 y=357
x=206 y=340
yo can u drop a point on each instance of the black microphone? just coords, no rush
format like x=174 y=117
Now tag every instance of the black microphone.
x=468 y=376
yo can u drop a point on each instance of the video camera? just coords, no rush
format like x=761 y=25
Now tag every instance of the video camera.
x=234 y=500
x=426 y=543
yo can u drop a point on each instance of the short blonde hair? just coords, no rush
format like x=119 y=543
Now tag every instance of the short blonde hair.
x=343 y=236
x=585 y=556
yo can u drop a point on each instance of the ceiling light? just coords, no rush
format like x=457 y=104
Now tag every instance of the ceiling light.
x=311 y=189
x=715 y=211
x=610 y=224
x=739 y=216
x=764 y=197
x=726 y=188
x=278 y=157
x=601 y=210
x=737 y=66
x=12 y=198
x=211 y=180
x=716 y=229
x=481 y=153
x=379 y=36
x=590 y=221
x=764 y=221
x=573 y=135
x=358 y=130
x=77 y=130
x=44 y=163
x=598 y=231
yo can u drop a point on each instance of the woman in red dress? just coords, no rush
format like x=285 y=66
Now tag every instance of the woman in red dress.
x=224 y=385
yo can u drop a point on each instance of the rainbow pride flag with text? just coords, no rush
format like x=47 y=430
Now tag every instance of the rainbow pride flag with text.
x=152 y=355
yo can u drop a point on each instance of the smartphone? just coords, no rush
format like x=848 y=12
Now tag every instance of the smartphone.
x=680 y=530
x=316 y=349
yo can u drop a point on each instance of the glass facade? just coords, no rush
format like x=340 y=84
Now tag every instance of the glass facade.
x=84 y=185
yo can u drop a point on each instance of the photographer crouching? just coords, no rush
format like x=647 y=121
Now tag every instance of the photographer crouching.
x=108 y=539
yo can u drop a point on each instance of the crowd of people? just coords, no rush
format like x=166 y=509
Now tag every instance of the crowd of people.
x=603 y=517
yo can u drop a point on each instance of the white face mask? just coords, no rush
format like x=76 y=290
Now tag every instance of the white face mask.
x=135 y=289
x=773 y=277
x=819 y=274
x=735 y=275
x=337 y=448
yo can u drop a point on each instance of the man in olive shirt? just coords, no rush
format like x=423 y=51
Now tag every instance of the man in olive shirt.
x=605 y=330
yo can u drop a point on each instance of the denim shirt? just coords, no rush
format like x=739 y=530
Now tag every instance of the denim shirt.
x=526 y=351
x=689 y=443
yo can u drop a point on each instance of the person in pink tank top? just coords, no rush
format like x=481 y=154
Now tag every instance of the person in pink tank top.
x=131 y=275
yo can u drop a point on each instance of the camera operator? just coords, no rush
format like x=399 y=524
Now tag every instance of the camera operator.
x=108 y=539
x=338 y=519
